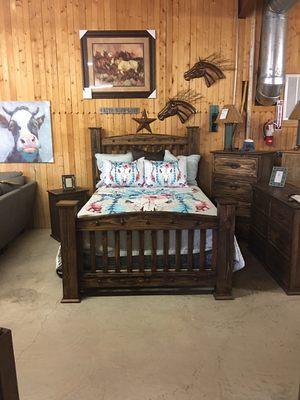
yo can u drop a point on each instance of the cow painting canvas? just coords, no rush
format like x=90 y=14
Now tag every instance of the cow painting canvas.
x=25 y=132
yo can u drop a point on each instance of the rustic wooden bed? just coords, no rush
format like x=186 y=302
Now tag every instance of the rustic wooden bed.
x=83 y=277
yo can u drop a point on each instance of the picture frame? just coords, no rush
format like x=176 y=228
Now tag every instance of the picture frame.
x=68 y=182
x=278 y=176
x=118 y=64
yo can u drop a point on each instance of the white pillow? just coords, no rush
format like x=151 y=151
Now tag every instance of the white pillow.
x=165 y=174
x=100 y=157
x=192 y=163
x=120 y=174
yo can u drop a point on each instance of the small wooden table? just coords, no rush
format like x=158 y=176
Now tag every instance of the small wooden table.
x=56 y=195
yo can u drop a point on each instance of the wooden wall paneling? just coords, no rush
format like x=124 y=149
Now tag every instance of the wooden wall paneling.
x=41 y=60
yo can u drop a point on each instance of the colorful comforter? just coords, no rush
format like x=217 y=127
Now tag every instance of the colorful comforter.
x=106 y=201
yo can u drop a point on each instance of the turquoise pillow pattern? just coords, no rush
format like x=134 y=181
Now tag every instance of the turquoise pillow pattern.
x=192 y=163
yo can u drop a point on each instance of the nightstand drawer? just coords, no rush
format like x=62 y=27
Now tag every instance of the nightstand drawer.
x=281 y=213
x=238 y=190
x=236 y=166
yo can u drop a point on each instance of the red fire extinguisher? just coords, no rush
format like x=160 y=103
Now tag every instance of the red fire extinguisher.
x=269 y=128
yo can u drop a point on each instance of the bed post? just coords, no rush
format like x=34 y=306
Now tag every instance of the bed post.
x=96 y=146
x=67 y=217
x=226 y=214
x=193 y=133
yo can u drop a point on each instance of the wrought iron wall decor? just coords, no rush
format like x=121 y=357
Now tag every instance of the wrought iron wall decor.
x=180 y=105
x=210 y=68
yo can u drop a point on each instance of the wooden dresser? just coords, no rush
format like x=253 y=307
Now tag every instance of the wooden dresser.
x=275 y=234
x=233 y=175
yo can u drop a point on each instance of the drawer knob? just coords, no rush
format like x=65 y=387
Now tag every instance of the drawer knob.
x=234 y=187
x=234 y=165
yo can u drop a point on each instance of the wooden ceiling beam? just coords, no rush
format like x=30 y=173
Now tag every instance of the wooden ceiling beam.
x=246 y=7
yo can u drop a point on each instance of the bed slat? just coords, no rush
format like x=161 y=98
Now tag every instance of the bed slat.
x=142 y=251
x=129 y=251
x=117 y=250
x=154 y=249
x=190 y=248
x=105 y=251
x=202 y=249
x=178 y=250
x=166 y=250
x=93 y=251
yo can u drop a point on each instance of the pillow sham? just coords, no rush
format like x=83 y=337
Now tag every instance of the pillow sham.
x=170 y=174
x=100 y=157
x=148 y=155
x=117 y=174
x=192 y=163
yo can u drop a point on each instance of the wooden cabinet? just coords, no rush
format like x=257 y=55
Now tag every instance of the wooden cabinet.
x=56 y=195
x=233 y=175
x=275 y=234
x=8 y=377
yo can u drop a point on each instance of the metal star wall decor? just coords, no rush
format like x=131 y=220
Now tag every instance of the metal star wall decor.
x=144 y=122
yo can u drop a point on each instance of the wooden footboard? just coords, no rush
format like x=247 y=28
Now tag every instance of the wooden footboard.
x=88 y=273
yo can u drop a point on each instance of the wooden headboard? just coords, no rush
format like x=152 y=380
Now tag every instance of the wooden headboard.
x=178 y=145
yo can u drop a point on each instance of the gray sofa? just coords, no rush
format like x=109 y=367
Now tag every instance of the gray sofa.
x=16 y=205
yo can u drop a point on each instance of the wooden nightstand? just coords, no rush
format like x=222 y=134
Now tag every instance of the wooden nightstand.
x=275 y=234
x=55 y=196
x=234 y=173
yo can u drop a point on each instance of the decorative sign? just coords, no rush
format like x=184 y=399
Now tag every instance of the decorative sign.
x=119 y=110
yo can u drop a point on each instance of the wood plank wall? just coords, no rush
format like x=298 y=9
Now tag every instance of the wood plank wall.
x=40 y=59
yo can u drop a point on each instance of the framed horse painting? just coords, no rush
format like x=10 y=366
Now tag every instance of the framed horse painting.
x=118 y=64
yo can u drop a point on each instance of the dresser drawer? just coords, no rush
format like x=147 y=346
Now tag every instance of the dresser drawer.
x=281 y=213
x=237 y=166
x=278 y=265
x=261 y=201
x=259 y=222
x=280 y=239
x=258 y=244
x=238 y=190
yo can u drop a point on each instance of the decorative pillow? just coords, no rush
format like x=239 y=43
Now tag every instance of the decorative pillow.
x=100 y=157
x=192 y=163
x=148 y=155
x=160 y=173
x=10 y=181
x=116 y=174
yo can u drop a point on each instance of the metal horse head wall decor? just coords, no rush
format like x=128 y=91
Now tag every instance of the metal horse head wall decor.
x=210 y=68
x=180 y=105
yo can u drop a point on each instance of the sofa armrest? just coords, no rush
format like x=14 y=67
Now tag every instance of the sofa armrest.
x=16 y=211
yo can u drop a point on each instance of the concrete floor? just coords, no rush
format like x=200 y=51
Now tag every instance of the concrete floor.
x=147 y=348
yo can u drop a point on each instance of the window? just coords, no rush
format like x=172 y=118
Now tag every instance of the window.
x=291 y=94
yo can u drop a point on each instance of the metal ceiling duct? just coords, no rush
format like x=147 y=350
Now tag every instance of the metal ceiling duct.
x=271 y=76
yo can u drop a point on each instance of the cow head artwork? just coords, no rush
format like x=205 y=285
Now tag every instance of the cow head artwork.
x=24 y=126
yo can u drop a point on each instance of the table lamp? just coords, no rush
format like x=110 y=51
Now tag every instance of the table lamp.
x=296 y=115
x=230 y=116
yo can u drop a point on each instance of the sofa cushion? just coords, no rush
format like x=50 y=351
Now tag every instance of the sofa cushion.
x=10 y=181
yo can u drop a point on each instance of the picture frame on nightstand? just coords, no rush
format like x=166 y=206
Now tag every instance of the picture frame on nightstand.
x=68 y=182
x=278 y=176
